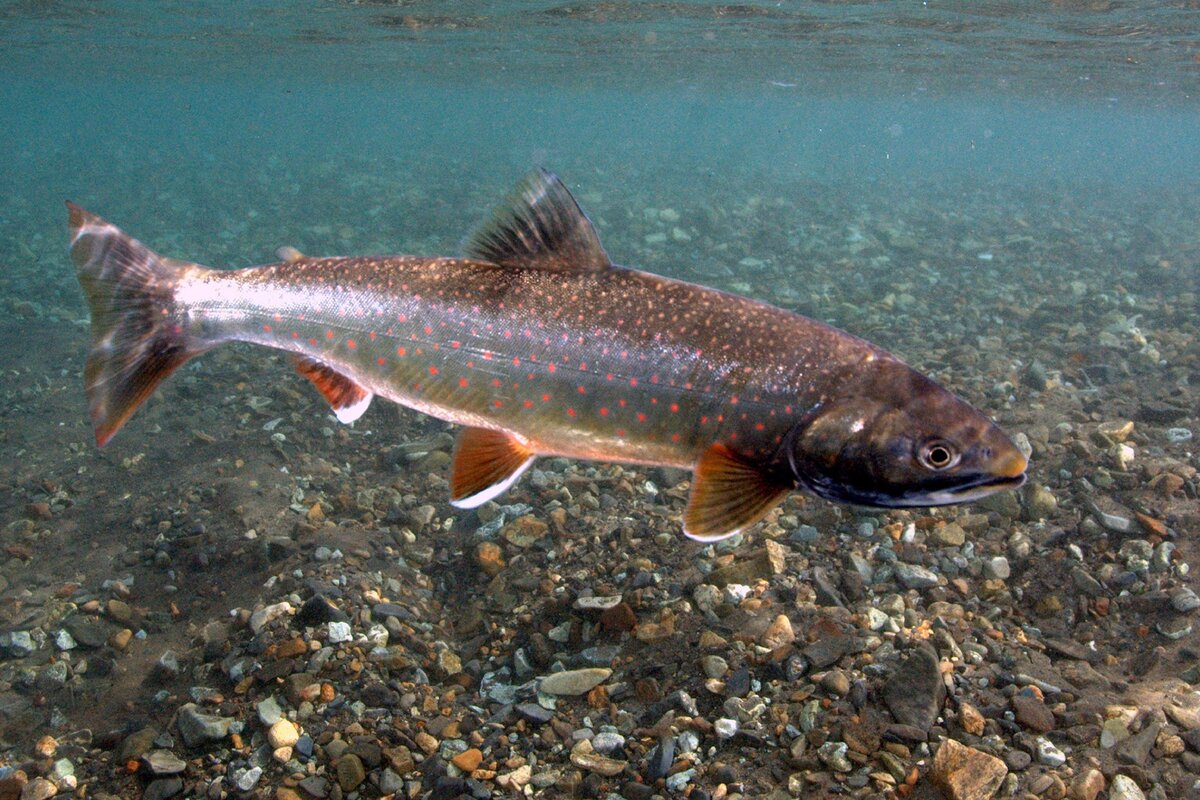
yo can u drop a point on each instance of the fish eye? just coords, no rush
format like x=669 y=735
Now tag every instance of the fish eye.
x=938 y=454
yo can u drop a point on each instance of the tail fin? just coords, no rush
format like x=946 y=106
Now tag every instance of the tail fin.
x=137 y=335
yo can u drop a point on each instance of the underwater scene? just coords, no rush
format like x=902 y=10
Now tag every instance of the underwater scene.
x=340 y=459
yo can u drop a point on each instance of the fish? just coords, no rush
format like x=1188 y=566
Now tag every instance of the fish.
x=537 y=344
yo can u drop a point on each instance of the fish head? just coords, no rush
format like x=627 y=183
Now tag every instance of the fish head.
x=897 y=439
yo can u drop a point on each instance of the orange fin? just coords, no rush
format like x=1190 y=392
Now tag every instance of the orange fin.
x=728 y=496
x=347 y=399
x=486 y=464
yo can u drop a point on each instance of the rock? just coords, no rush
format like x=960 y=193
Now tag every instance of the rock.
x=197 y=728
x=350 y=772
x=283 y=734
x=948 y=535
x=1040 y=503
x=997 y=568
x=827 y=651
x=970 y=719
x=164 y=762
x=269 y=711
x=964 y=773
x=87 y=631
x=726 y=728
x=833 y=755
x=163 y=788
x=778 y=633
x=535 y=713
x=1135 y=749
x=761 y=565
x=714 y=666
x=1032 y=713
x=135 y=745
x=39 y=789
x=836 y=683
x=524 y=531
x=1184 y=600
x=340 y=632
x=1125 y=788
x=915 y=577
x=489 y=558
x=1087 y=785
x=584 y=757
x=318 y=611
x=915 y=691
x=247 y=779
x=468 y=760
x=1049 y=754
x=264 y=616
x=572 y=683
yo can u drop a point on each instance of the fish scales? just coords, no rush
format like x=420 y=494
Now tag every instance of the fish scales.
x=593 y=365
x=538 y=345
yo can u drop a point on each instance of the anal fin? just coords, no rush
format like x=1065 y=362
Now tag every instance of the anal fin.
x=728 y=495
x=347 y=399
x=486 y=464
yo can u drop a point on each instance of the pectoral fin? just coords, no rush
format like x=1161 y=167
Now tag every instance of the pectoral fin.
x=347 y=399
x=728 y=495
x=486 y=464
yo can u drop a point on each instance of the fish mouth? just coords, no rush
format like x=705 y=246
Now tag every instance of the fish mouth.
x=961 y=491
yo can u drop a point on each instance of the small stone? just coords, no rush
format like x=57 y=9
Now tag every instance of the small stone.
x=247 y=779
x=778 y=633
x=340 y=632
x=164 y=762
x=1135 y=749
x=573 y=683
x=620 y=617
x=163 y=788
x=426 y=742
x=350 y=772
x=726 y=728
x=584 y=757
x=833 y=754
x=1049 y=754
x=269 y=711
x=915 y=577
x=468 y=760
x=524 y=531
x=997 y=568
x=515 y=781
x=948 y=535
x=46 y=747
x=971 y=720
x=1040 y=503
x=915 y=691
x=836 y=683
x=264 y=616
x=1087 y=785
x=1032 y=713
x=39 y=789
x=135 y=745
x=197 y=728
x=488 y=557
x=714 y=666
x=826 y=651
x=535 y=713
x=283 y=734
x=1125 y=788
x=964 y=773
x=121 y=639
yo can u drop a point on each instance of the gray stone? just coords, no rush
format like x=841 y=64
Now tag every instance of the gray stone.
x=575 y=682
x=714 y=666
x=247 y=779
x=1135 y=749
x=997 y=567
x=914 y=576
x=833 y=754
x=1124 y=788
x=914 y=693
x=88 y=631
x=269 y=711
x=197 y=728
x=163 y=788
x=726 y=728
x=535 y=713
x=1048 y=754
x=826 y=651
x=1184 y=600
x=164 y=762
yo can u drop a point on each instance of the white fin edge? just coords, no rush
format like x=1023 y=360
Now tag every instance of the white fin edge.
x=495 y=490
x=348 y=414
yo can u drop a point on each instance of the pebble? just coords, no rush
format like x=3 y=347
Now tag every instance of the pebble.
x=1087 y=785
x=714 y=666
x=1032 y=713
x=1124 y=788
x=350 y=772
x=997 y=568
x=264 y=616
x=283 y=734
x=197 y=728
x=1049 y=754
x=915 y=690
x=726 y=728
x=778 y=633
x=571 y=683
x=915 y=577
x=340 y=632
x=964 y=773
x=1184 y=600
x=836 y=683
x=833 y=755
x=269 y=711
x=164 y=762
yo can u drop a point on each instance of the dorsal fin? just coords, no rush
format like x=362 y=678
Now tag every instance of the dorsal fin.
x=289 y=254
x=540 y=226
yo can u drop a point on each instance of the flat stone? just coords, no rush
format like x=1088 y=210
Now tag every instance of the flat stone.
x=535 y=713
x=1032 y=713
x=575 y=682
x=914 y=576
x=164 y=762
x=584 y=757
x=350 y=772
x=914 y=693
x=163 y=788
x=198 y=728
x=39 y=789
x=135 y=745
x=1087 y=785
x=468 y=760
x=964 y=773
x=760 y=565
x=1135 y=749
x=826 y=651
x=778 y=633
x=269 y=711
x=1049 y=754
x=264 y=616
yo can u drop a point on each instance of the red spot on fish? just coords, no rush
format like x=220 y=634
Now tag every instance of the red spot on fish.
x=758 y=426
x=528 y=376
x=581 y=390
x=704 y=420
x=498 y=403
x=328 y=334
x=516 y=361
x=583 y=366
x=351 y=344
x=551 y=368
x=733 y=401
x=433 y=371
x=496 y=383
x=266 y=328
x=402 y=351
x=621 y=403
x=545 y=398
x=428 y=329
x=633 y=381
x=654 y=379
x=570 y=412
x=463 y=383
x=402 y=318
x=641 y=417
x=313 y=342
x=295 y=334
x=456 y=345
x=372 y=335
x=674 y=408
x=674 y=437
x=787 y=409
x=604 y=412
x=381 y=361
x=621 y=432
x=608 y=377
x=528 y=404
